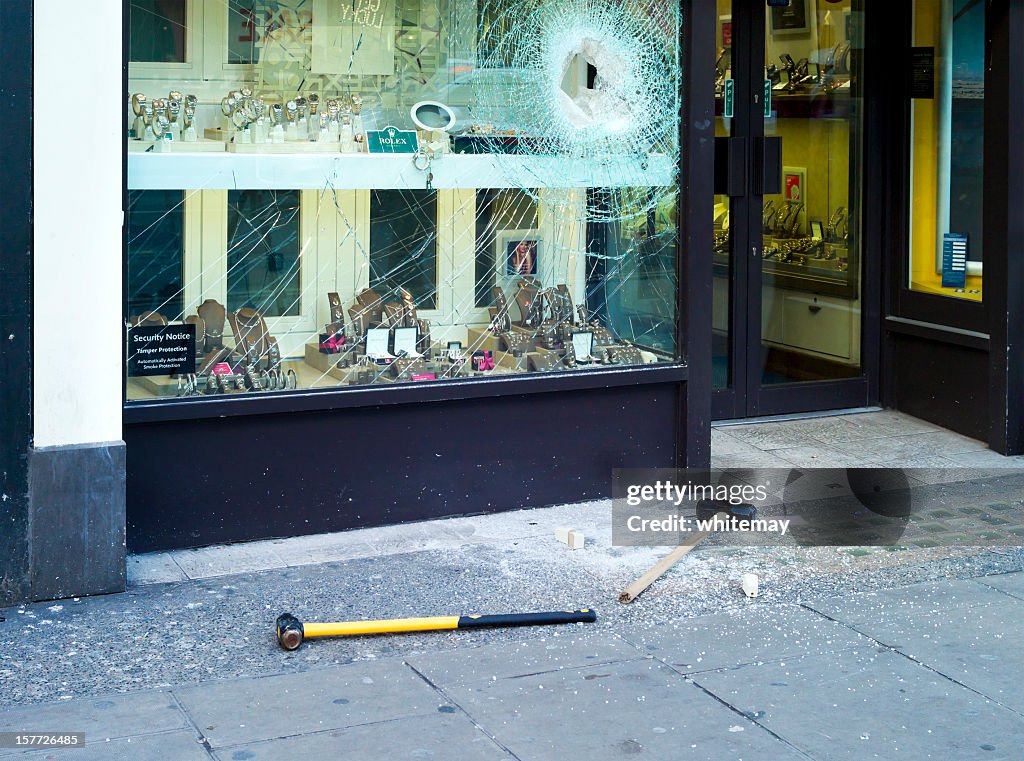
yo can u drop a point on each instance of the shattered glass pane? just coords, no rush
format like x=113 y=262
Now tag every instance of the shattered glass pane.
x=263 y=251
x=381 y=191
x=403 y=243
x=497 y=211
x=243 y=18
x=156 y=228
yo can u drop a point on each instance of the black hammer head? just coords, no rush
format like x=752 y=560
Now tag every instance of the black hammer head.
x=708 y=508
x=289 y=631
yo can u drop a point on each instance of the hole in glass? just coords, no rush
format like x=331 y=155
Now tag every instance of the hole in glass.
x=588 y=95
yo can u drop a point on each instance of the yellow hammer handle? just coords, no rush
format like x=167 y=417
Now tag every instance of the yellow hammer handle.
x=387 y=626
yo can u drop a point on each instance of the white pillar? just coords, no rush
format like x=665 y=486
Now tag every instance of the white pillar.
x=78 y=154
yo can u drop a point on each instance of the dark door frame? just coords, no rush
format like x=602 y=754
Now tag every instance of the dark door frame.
x=747 y=397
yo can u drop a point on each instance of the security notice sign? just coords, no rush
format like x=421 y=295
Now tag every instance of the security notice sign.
x=161 y=350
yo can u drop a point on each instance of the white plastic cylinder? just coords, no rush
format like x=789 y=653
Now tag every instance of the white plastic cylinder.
x=750 y=584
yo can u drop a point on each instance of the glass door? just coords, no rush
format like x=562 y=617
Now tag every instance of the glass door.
x=723 y=367
x=793 y=171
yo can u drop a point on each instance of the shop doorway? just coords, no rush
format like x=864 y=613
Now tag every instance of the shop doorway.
x=788 y=261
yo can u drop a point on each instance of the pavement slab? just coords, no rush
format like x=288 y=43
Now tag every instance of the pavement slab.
x=613 y=711
x=192 y=632
x=182 y=745
x=444 y=735
x=729 y=640
x=100 y=718
x=1009 y=583
x=569 y=650
x=250 y=710
x=885 y=612
x=966 y=633
x=864 y=704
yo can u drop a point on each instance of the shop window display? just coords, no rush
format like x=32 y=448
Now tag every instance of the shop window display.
x=400 y=192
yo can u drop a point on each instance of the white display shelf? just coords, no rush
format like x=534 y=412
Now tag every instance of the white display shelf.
x=236 y=171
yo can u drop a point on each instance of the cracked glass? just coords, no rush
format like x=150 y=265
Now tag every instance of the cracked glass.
x=333 y=193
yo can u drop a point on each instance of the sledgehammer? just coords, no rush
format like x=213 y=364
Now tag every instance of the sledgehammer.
x=291 y=632
x=706 y=510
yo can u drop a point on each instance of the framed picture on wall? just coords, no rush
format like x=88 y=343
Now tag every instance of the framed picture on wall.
x=518 y=252
x=791 y=18
x=794 y=184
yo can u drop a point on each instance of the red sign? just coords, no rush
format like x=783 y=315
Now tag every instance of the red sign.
x=794 y=191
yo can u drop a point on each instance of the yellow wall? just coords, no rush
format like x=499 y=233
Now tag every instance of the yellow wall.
x=924 y=183
x=822 y=147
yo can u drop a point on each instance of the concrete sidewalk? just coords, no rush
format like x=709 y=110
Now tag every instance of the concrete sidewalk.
x=929 y=670
x=849 y=653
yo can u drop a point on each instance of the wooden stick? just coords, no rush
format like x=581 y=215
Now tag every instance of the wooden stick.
x=637 y=587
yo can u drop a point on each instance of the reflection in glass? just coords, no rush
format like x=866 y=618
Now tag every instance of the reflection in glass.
x=721 y=336
x=157 y=31
x=403 y=243
x=263 y=251
x=496 y=211
x=155 y=224
x=632 y=279
x=811 y=310
x=245 y=18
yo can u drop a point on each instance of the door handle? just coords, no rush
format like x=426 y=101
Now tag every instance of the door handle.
x=767 y=166
x=730 y=166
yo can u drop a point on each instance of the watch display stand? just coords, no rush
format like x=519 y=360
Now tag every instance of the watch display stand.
x=410 y=319
x=253 y=342
x=335 y=308
x=625 y=354
x=372 y=303
x=531 y=306
x=213 y=315
x=200 y=325
x=408 y=368
x=148 y=320
x=393 y=315
x=543 y=361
